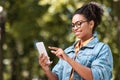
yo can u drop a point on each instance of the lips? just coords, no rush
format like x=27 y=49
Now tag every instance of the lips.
x=77 y=33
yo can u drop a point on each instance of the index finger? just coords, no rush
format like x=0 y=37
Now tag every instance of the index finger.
x=53 y=48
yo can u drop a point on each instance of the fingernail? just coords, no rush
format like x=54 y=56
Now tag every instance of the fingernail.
x=52 y=51
x=51 y=61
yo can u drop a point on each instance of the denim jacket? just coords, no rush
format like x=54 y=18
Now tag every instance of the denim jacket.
x=95 y=55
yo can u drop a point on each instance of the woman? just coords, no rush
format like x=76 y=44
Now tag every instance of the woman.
x=87 y=58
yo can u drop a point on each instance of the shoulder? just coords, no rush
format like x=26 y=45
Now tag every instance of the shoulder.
x=103 y=49
x=102 y=45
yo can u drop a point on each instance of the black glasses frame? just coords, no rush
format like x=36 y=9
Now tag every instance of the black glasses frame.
x=78 y=24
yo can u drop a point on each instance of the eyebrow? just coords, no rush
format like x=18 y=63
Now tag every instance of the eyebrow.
x=79 y=21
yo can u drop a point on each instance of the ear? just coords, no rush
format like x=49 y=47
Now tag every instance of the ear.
x=91 y=23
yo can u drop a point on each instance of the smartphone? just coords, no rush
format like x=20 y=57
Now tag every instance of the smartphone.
x=41 y=49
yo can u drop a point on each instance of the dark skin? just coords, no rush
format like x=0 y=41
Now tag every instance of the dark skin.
x=84 y=33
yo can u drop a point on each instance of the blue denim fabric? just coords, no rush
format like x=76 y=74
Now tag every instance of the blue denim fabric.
x=95 y=55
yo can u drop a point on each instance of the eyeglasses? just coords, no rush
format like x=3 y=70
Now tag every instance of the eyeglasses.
x=78 y=24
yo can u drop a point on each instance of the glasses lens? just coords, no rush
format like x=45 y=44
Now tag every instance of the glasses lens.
x=77 y=24
x=72 y=25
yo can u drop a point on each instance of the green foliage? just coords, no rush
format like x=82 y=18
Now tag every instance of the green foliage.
x=29 y=21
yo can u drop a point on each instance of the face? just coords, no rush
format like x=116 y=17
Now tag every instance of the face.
x=81 y=27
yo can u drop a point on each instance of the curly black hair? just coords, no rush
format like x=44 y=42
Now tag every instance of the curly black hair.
x=91 y=11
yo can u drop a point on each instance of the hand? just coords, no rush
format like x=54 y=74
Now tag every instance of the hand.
x=43 y=62
x=58 y=52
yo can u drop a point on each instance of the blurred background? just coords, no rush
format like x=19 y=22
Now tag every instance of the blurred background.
x=25 y=22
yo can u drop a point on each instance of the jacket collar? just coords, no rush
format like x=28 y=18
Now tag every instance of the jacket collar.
x=91 y=44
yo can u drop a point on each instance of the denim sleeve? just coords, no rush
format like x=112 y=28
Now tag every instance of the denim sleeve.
x=58 y=69
x=102 y=66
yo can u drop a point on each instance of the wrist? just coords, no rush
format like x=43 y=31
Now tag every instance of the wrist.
x=46 y=70
x=67 y=58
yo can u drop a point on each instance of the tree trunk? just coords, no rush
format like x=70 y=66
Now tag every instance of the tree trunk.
x=16 y=65
x=2 y=33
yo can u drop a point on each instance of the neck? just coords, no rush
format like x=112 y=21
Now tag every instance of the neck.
x=86 y=38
